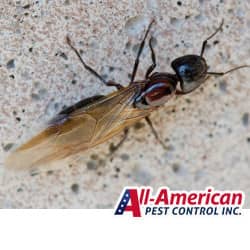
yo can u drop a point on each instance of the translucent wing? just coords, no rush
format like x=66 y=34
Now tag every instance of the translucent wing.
x=77 y=130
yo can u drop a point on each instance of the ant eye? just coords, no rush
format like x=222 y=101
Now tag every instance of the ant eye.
x=185 y=71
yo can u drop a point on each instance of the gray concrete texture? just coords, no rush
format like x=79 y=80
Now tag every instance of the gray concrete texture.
x=207 y=131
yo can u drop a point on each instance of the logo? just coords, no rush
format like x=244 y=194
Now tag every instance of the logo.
x=140 y=201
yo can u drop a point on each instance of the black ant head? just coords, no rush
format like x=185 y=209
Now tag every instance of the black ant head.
x=191 y=71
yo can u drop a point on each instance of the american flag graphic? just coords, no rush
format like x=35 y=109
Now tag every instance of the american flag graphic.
x=123 y=203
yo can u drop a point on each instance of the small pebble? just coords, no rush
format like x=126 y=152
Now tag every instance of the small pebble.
x=124 y=157
x=223 y=86
x=91 y=165
x=176 y=167
x=245 y=119
x=75 y=188
x=8 y=146
x=10 y=64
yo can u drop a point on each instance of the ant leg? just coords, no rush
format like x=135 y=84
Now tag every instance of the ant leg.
x=229 y=71
x=180 y=92
x=149 y=122
x=91 y=70
x=205 y=42
x=153 y=65
x=137 y=60
x=113 y=148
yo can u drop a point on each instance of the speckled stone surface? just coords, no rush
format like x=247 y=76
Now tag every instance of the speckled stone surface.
x=208 y=134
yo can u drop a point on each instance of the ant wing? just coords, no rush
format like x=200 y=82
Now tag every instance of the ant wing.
x=76 y=130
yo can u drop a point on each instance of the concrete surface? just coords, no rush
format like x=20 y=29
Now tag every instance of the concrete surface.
x=209 y=132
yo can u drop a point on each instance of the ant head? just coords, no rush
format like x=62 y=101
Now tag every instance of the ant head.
x=191 y=71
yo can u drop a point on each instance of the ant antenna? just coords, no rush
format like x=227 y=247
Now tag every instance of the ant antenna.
x=229 y=71
x=212 y=35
